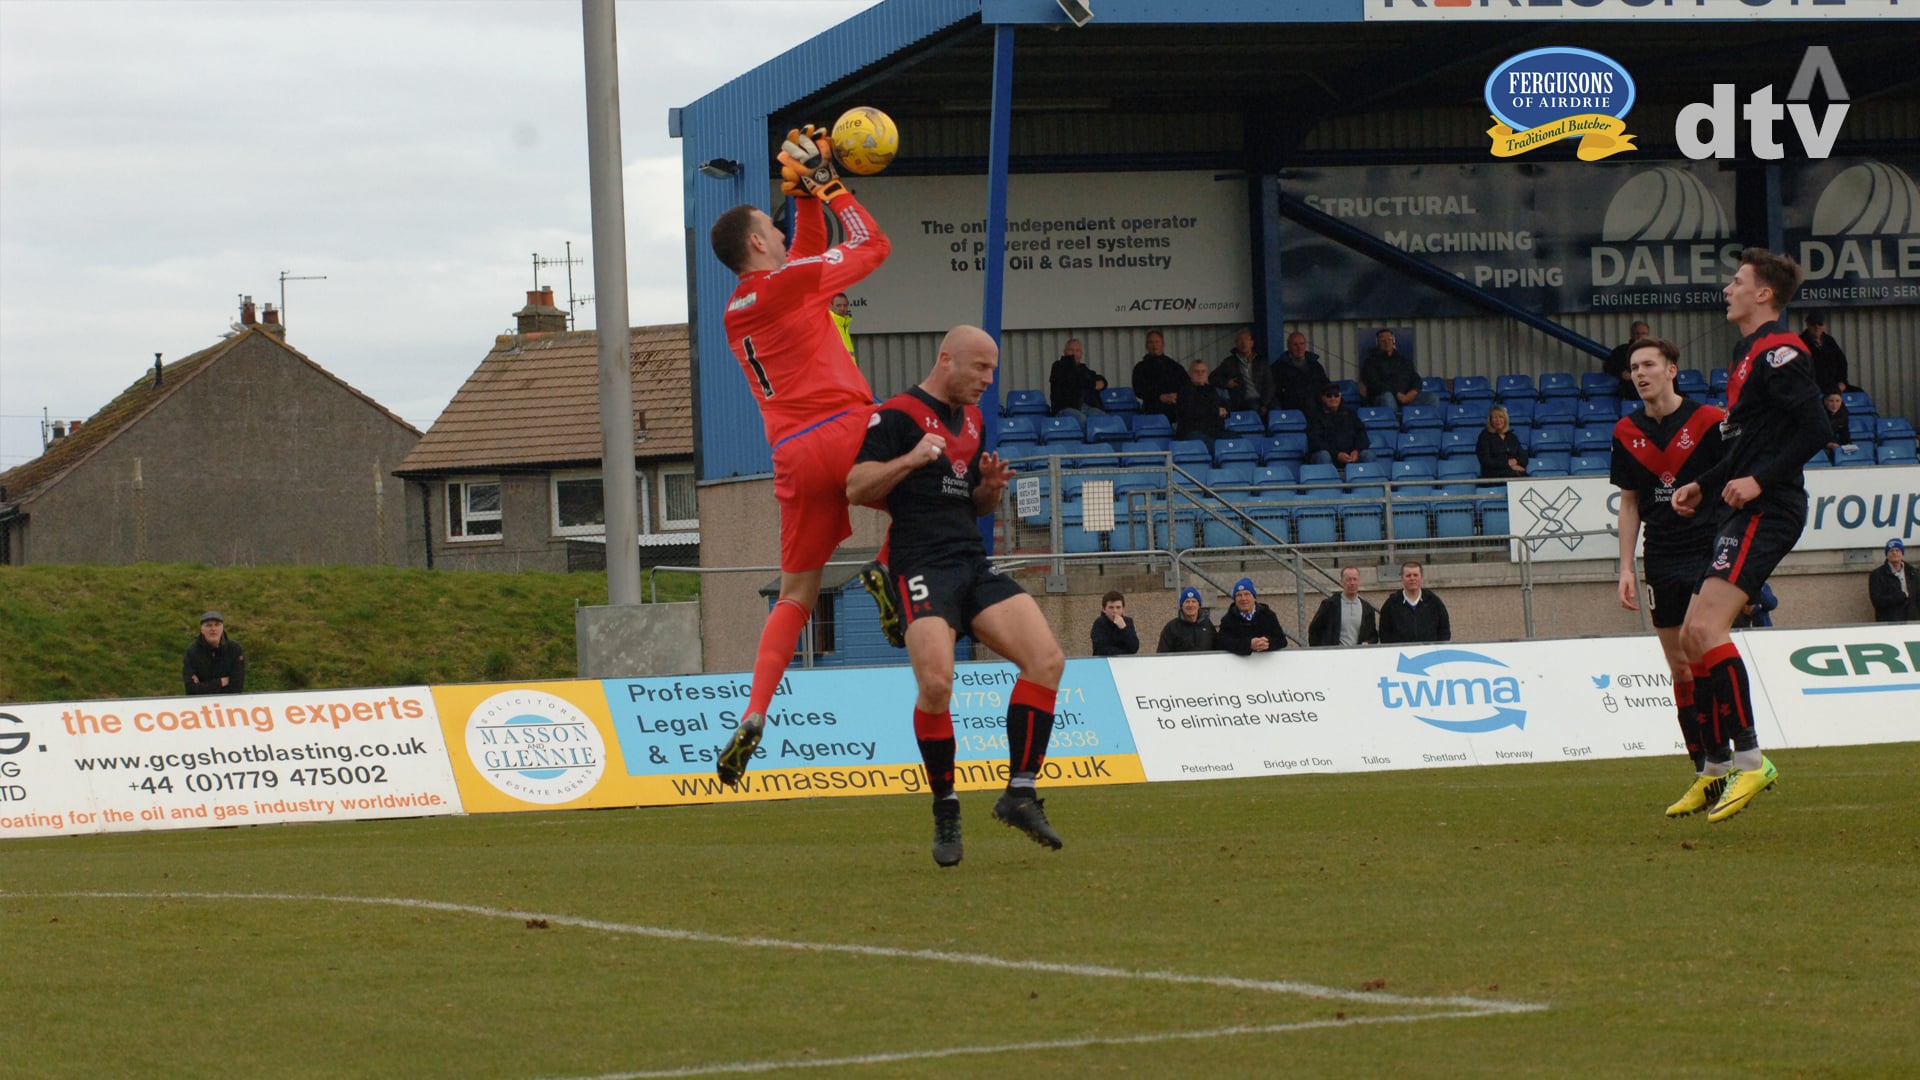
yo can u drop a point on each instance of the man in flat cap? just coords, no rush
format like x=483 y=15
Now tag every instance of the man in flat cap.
x=214 y=663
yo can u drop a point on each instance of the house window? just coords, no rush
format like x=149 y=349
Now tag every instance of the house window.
x=579 y=503
x=679 y=508
x=473 y=509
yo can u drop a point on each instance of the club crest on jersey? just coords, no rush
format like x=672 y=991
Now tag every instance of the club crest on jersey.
x=1723 y=553
x=1782 y=355
x=960 y=469
x=1686 y=440
x=1667 y=479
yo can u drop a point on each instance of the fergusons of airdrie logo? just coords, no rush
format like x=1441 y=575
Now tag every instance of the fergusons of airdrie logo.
x=535 y=747
x=1544 y=95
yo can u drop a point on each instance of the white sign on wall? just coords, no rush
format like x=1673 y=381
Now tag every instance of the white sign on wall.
x=1554 y=10
x=1083 y=249
x=1846 y=508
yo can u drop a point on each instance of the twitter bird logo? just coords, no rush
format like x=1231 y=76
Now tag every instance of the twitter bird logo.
x=1600 y=681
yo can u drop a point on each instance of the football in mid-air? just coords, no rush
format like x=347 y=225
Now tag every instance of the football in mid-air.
x=865 y=140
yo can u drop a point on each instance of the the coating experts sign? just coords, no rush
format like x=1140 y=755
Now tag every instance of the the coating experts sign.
x=1545 y=95
x=240 y=759
x=1082 y=249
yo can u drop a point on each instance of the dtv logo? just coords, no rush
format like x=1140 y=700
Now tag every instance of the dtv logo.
x=1722 y=122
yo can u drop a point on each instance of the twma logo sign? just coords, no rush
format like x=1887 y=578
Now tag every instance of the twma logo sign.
x=1545 y=95
x=1711 y=130
x=1446 y=689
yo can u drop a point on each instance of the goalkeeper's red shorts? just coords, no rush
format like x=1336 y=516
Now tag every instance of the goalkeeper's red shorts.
x=810 y=482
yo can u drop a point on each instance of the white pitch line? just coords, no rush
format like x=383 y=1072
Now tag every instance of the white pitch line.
x=1461 y=1006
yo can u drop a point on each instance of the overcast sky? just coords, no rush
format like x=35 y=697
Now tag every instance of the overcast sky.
x=158 y=159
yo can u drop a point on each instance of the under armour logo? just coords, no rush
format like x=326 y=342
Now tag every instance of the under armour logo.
x=1552 y=518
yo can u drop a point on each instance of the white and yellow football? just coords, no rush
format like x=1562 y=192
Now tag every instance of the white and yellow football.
x=865 y=140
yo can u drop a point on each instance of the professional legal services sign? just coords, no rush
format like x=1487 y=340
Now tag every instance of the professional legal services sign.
x=1082 y=249
x=1435 y=11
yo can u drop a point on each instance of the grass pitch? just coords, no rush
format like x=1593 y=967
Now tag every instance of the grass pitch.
x=1785 y=941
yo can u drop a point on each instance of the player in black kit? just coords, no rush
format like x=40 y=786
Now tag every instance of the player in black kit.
x=1774 y=424
x=923 y=457
x=1667 y=442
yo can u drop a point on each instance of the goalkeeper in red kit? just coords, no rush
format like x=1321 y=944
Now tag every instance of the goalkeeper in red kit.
x=813 y=400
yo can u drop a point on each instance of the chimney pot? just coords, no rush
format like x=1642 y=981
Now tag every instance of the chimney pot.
x=270 y=316
x=59 y=430
x=246 y=311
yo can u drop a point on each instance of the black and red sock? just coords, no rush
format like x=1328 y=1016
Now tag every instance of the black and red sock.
x=1733 y=698
x=1689 y=716
x=1029 y=727
x=934 y=732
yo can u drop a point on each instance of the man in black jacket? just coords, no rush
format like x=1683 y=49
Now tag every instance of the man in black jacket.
x=1201 y=412
x=1113 y=632
x=1157 y=378
x=1414 y=614
x=1189 y=631
x=1073 y=388
x=1894 y=587
x=1298 y=376
x=1244 y=377
x=214 y=663
x=1250 y=627
x=1335 y=435
x=1346 y=619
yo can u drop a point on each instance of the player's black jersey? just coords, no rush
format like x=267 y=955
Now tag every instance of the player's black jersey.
x=1652 y=457
x=932 y=507
x=1774 y=420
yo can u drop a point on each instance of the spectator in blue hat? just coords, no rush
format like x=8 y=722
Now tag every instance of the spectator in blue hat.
x=1894 y=587
x=1251 y=627
x=214 y=663
x=1189 y=631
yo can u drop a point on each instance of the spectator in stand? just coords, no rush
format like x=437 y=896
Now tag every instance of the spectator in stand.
x=1298 y=376
x=1842 y=425
x=1244 y=377
x=1829 y=360
x=215 y=663
x=1347 y=618
x=1413 y=614
x=1388 y=377
x=1113 y=632
x=1189 y=631
x=1251 y=627
x=1073 y=388
x=1501 y=455
x=1616 y=365
x=1201 y=413
x=1335 y=435
x=1759 y=613
x=842 y=311
x=1894 y=587
x=1157 y=378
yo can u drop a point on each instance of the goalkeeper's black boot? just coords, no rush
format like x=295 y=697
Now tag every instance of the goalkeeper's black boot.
x=946 y=832
x=878 y=582
x=738 y=753
x=1028 y=814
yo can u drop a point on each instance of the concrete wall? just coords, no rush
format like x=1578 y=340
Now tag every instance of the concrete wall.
x=260 y=459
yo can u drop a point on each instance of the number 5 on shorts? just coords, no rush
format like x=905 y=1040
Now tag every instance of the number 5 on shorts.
x=917 y=588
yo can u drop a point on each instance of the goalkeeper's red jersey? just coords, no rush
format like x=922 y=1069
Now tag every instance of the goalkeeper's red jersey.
x=782 y=333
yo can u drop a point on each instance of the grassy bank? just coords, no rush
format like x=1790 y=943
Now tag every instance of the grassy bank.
x=75 y=633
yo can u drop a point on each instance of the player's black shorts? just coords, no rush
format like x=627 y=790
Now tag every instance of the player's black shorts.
x=955 y=590
x=1750 y=544
x=1671 y=580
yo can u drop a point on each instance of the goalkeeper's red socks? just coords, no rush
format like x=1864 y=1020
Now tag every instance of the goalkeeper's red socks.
x=777 y=641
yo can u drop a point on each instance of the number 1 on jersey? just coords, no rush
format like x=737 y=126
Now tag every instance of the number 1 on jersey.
x=759 y=373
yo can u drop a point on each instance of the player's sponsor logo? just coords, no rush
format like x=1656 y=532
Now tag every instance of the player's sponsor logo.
x=746 y=301
x=1782 y=356
x=960 y=469
x=1666 y=481
x=535 y=747
x=832 y=255
x=1544 y=95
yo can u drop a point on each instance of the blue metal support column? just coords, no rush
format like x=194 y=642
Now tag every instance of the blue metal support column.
x=1382 y=252
x=1270 y=311
x=993 y=291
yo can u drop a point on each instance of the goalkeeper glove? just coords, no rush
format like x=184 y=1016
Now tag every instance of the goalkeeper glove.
x=806 y=165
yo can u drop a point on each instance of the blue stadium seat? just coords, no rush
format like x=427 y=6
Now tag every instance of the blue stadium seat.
x=1468 y=417
x=1452 y=518
x=1459 y=443
x=1215 y=533
x=1465 y=467
x=1151 y=426
x=1902 y=453
x=1419 y=470
x=1717 y=380
x=1589 y=465
x=1520 y=411
x=1311 y=475
x=1245 y=422
x=1381 y=441
x=1379 y=418
x=1589 y=440
x=1472 y=388
x=1274 y=519
x=1315 y=524
x=1595 y=384
x=1145 y=451
x=1417 y=444
x=1288 y=448
x=1061 y=429
x=1369 y=472
x=1493 y=516
x=1108 y=429
x=1691 y=382
x=1238 y=474
x=1286 y=422
x=1227 y=451
x=1270 y=477
x=1864 y=429
x=1858 y=403
x=1556 y=411
x=1603 y=410
x=1410 y=521
x=1417 y=417
x=1554 y=437
x=1819 y=460
x=1893 y=429
x=1523 y=432
x=1558 y=384
x=1017 y=428
x=1025 y=403
x=1435 y=385
x=1848 y=457
x=1349 y=391
x=1362 y=523
x=1119 y=399
x=1190 y=452
x=1627 y=405
x=1551 y=463
x=1515 y=388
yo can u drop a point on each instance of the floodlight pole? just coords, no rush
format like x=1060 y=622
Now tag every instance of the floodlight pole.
x=610 y=293
x=993 y=289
